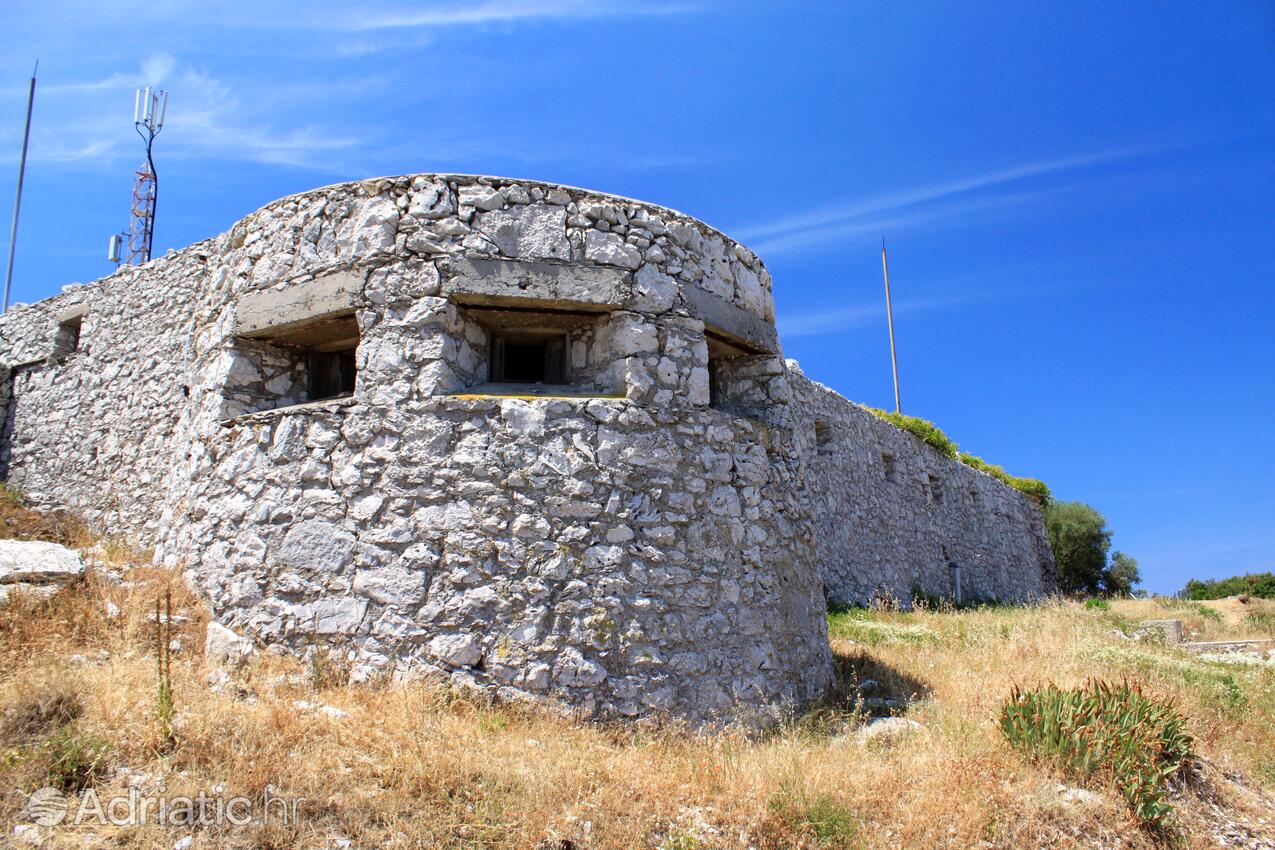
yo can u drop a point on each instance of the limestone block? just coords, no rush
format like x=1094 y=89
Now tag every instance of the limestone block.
x=456 y=650
x=38 y=562
x=653 y=291
x=528 y=232
x=316 y=545
x=375 y=225
x=224 y=648
x=608 y=249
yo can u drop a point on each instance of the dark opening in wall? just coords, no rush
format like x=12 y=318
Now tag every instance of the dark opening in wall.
x=529 y=356
x=723 y=356
x=936 y=489
x=332 y=374
x=887 y=461
x=67 y=337
x=823 y=438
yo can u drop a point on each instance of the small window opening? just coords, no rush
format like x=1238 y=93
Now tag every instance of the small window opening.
x=529 y=357
x=823 y=438
x=332 y=374
x=887 y=461
x=311 y=360
x=936 y=490
x=67 y=338
x=721 y=395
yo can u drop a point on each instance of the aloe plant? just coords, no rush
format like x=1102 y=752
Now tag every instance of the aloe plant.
x=1114 y=732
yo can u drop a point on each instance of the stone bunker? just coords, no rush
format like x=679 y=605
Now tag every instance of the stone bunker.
x=541 y=439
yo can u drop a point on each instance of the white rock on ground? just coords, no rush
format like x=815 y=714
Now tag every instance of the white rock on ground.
x=38 y=562
x=886 y=731
x=222 y=647
x=37 y=567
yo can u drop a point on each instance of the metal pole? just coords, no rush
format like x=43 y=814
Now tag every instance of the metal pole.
x=17 y=200
x=889 y=312
x=150 y=163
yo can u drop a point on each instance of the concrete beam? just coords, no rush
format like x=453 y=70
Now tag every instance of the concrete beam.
x=511 y=283
x=261 y=313
x=734 y=324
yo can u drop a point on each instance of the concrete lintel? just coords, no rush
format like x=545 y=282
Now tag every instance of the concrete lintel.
x=733 y=323
x=509 y=282
x=72 y=312
x=261 y=313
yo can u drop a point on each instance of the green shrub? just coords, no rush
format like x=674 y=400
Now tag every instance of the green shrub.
x=1110 y=732
x=75 y=761
x=1255 y=584
x=1098 y=604
x=918 y=427
x=821 y=817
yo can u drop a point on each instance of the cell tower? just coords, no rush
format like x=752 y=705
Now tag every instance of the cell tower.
x=149 y=108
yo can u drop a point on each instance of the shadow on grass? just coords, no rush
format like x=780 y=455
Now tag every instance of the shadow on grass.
x=863 y=688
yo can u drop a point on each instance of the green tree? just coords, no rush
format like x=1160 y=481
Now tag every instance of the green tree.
x=1121 y=575
x=1254 y=584
x=1080 y=539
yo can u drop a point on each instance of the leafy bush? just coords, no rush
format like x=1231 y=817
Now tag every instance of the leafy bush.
x=1255 y=584
x=1110 y=732
x=918 y=427
x=1099 y=604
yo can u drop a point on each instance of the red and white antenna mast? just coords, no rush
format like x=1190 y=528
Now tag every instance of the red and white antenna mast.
x=149 y=109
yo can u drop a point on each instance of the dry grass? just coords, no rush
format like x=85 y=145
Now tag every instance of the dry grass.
x=414 y=765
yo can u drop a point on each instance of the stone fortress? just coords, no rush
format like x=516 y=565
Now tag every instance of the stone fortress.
x=538 y=438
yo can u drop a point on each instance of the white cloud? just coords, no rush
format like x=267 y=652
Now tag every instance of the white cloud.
x=924 y=204
x=864 y=314
x=508 y=11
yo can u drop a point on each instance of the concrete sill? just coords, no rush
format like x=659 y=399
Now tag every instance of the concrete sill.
x=532 y=392
x=326 y=405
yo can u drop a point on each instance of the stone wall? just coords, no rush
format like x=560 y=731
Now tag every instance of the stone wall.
x=893 y=515
x=654 y=536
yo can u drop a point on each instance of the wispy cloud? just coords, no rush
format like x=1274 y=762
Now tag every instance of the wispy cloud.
x=865 y=314
x=924 y=204
x=212 y=122
x=509 y=11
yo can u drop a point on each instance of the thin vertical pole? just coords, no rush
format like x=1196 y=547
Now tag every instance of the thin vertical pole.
x=889 y=312
x=17 y=200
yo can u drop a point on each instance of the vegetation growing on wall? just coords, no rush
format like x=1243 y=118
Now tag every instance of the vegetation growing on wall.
x=945 y=445
x=1255 y=584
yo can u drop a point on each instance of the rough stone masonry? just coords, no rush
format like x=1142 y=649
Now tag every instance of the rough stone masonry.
x=539 y=438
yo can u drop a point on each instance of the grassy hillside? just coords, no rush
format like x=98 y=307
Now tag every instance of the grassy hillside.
x=384 y=764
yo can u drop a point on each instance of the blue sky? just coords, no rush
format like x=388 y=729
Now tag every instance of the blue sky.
x=1078 y=197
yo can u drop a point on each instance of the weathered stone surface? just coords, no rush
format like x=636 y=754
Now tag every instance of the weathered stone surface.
x=224 y=648
x=38 y=563
x=608 y=249
x=529 y=233
x=654 y=539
